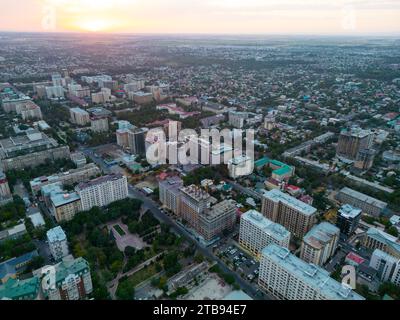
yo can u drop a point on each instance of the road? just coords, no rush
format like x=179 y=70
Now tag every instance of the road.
x=251 y=290
x=206 y=252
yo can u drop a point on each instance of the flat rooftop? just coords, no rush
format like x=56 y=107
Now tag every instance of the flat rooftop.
x=60 y=199
x=278 y=196
x=348 y=211
x=274 y=229
x=56 y=234
x=314 y=276
x=100 y=180
x=364 y=198
x=321 y=234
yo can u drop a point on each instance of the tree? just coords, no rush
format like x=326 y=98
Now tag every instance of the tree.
x=125 y=290
x=393 y=231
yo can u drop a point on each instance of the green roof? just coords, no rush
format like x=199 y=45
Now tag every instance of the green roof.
x=20 y=289
x=65 y=268
x=283 y=167
x=261 y=162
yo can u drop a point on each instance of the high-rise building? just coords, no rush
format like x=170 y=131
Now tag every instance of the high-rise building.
x=257 y=232
x=365 y=159
x=237 y=119
x=351 y=142
x=170 y=193
x=79 y=116
x=219 y=218
x=360 y=200
x=58 y=243
x=65 y=205
x=320 y=243
x=123 y=138
x=99 y=124
x=385 y=264
x=137 y=141
x=102 y=191
x=348 y=218
x=194 y=201
x=240 y=166
x=73 y=280
x=55 y=92
x=287 y=277
x=269 y=122
x=378 y=239
x=295 y=215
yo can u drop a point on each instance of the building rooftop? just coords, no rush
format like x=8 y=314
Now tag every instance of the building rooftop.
x=314 y=276
x=70 y=266
x=219 y=209
x=195 y=193
x=10 y=266
x=363 y=197
x=348 y=211
x=274 y=229
x=56 y=234
x=98 y=181
x=321 y=234
x=384 y=237
x=80 y=111
x=20 y=289
x=278 y=196
x=60 y=199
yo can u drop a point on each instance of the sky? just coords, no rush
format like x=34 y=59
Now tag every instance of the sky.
x=339 y=17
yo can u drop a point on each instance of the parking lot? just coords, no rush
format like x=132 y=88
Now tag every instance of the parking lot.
x=240 y=261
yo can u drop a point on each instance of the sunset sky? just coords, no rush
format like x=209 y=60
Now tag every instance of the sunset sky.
x=203 y=16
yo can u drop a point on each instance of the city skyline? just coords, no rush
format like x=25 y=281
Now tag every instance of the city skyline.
x=345 y=17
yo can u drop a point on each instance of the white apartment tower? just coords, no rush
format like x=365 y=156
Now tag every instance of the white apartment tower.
x=102 y=191
x=287 y=277
x=257 y=232
x=58 y=243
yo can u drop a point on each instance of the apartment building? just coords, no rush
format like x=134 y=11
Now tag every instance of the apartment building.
x=169 y=193
x=102 y=191
x=257 y=232
x=219 y=218
x=378 y=239
x=58 y=243
x=71 y=177
x=385 y=264
x=348 y=218
x=99 y=124
x=79 y=116
x=320 y=243
x=64 y=205
x=30 y=150
x=287 y=277
x=295 y=215
x=351 y=142
x=237 y=119
x=194 y=201
x=73 y=280
x=360 y=200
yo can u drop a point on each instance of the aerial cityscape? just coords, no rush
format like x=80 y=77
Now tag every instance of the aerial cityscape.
x=194 y=165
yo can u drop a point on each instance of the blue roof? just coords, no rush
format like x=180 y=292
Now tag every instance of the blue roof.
x=10 y=267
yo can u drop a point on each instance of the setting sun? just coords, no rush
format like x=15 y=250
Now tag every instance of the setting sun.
x=94 y=25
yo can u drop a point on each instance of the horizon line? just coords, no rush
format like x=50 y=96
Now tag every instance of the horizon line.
x=65 y=32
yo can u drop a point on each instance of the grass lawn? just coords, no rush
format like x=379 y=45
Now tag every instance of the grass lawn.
x=118 y=228
x=142 y=275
